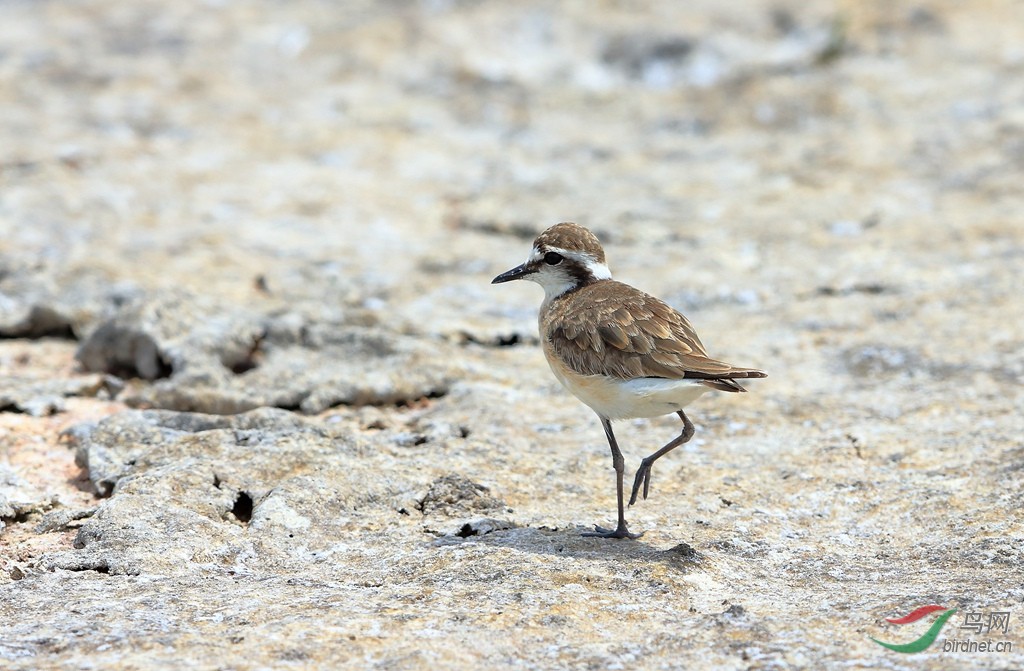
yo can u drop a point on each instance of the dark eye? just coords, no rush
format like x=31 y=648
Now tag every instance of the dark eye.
x=552 y=258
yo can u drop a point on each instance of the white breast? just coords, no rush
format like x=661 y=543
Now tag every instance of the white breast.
x=613 y=398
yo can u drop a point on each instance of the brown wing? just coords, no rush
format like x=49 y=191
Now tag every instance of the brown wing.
x=612 y=328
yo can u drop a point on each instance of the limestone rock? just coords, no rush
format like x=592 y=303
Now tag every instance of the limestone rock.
x=279 y=222
x=220 y=488
x=206 y=357
x=45 y=397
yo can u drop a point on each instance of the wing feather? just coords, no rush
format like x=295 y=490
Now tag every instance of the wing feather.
x=628 y=334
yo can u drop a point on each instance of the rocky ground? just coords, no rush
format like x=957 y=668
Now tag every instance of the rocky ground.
x=263 y=409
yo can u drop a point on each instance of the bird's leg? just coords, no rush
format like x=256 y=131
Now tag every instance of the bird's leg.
x=643 y=474
x=620 y=531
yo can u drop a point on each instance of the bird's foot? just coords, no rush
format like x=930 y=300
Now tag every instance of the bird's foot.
x=618 y=532
x=643 y=476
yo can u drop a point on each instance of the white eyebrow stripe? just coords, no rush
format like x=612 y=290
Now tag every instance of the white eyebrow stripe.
x=597 y=269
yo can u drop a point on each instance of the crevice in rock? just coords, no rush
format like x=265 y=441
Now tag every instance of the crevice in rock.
x=126 y=371
x=242 y=510
x=483 y=527
x=243 y=366
x=124 y=353
x=100 y=566
x=500 y=340
x=417 y=402
x=163 y=368
x=869 y=288
x=296 y=404
x=399 y=402
x=42 y=322
x=83 y=483
x=252 y=359
x=19 y=517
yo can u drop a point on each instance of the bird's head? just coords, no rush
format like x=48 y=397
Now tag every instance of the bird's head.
x=564 y=257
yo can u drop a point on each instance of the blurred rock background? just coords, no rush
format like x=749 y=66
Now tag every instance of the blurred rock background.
x=262 y=409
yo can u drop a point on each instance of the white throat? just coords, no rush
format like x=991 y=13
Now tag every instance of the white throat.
x=554 y=286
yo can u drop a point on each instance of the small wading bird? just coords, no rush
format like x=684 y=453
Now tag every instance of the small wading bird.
x=622 y=352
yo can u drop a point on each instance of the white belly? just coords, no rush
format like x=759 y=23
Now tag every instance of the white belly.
x=625 y=399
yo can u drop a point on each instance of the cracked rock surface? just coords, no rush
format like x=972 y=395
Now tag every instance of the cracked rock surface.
x=261 y=408
x=221 y=359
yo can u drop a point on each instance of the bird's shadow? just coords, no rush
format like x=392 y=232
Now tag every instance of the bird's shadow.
x=570 y=542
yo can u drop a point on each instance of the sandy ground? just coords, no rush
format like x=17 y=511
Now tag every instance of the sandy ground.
x=291 y=213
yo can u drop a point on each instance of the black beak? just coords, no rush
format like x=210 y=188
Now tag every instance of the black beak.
x=516 y=273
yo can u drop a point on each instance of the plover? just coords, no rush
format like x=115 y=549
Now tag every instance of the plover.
x=622 y=352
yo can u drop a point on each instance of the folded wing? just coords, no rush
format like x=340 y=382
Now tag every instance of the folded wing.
x=628 y=334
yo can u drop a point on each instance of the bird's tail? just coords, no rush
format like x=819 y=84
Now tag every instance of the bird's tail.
x=725 y=382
